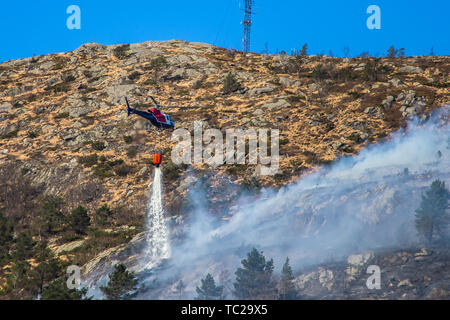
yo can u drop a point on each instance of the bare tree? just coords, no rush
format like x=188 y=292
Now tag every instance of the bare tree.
x=346 y=51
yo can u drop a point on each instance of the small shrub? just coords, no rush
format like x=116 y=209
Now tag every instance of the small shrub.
x=59 y=63
x=134 y=76
x=373 y=70
x=114 y=162
x=275 y=81
x=250 y=185
x=128 y=139
x=320 y=72
x=230 y=84
x=95 y=79
x=69 y=78
x=293 y=66
x=295 y=99
x=90 y=89
x=33 y=134
x=36 y=155
x=279 y=178
x=344 y=74
x=69 y=237
x=32 y=98
x=122 y=170
x=236 y=169
x=172 y=171
x=355 y=137
x=103 y=170
x=158 y=63
x=149 y=82
x=88 y=161
x=98 y=145
x=11 y=134
x=348 y=149
x=57 y=88
x=183 y=92
x=392 y=52
x=355 y=95
x=197 y=84
x=62 y=115
x=440 y=85
x=120 y=52
x=132 y=152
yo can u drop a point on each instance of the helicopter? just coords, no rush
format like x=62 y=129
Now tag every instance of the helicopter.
x=157 y=118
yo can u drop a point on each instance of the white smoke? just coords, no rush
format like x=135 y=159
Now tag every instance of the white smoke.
x=359 y=203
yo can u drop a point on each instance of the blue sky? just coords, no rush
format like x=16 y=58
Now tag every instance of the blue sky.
x=39 y=27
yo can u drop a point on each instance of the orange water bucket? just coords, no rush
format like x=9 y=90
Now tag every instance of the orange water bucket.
x=157 y=159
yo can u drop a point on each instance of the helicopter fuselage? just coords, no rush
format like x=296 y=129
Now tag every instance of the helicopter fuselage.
x=154 y=115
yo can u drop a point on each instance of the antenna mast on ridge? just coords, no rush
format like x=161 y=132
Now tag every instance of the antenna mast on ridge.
x=247 y=24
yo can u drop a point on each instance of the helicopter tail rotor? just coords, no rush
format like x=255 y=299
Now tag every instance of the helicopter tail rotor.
x=128 y=107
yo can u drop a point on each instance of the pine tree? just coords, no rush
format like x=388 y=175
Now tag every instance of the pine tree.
x=304 y=51
x=180 y=288
x=6 y=235
x=157 y=65
x=254 y=280
x=287 y=288
x=79 y=220
x=51 y=214
x=48 y=268
x=208 y=290
x=121 y=282
x=17 y=278
x=24 y=247
x=102 y=215
x=431 y=217
x=58 y=290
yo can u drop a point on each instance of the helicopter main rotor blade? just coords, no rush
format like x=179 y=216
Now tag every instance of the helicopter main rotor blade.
x=184 y=107
x=154 y=101
x=175 y=107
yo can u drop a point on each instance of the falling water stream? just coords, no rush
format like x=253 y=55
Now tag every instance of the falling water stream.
x=157 y=238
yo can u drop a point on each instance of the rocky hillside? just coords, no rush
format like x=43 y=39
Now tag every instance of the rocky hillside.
x=407 y=274
x=64 y=130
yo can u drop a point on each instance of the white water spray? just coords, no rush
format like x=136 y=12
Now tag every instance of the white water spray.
x=157 y=239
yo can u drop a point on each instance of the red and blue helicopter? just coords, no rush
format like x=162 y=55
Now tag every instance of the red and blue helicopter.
x=156 y=117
